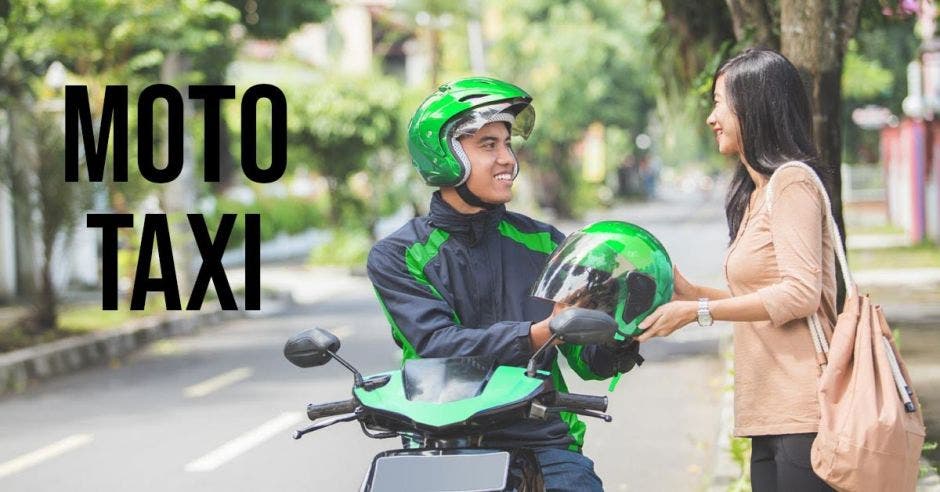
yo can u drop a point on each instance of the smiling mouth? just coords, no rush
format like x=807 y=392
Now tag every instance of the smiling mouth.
x=504 y=177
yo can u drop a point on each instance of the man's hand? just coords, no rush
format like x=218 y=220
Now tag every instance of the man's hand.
x=626 y=355
x=540 y=332
x=668 y=318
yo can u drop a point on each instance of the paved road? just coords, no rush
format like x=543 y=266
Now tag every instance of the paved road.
x=214 y=411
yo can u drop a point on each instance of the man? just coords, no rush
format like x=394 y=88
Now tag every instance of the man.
x=456 y=281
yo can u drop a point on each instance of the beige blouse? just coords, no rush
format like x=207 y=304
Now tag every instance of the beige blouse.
x=779 y=256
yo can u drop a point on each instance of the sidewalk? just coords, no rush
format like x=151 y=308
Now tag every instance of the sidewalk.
x=18 y=368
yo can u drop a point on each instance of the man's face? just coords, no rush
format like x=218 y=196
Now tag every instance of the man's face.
x=492 y=163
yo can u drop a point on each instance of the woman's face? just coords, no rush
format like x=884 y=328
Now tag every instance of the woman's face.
x=724 y=122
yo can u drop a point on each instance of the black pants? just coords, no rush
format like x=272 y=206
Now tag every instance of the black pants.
x=781 y=463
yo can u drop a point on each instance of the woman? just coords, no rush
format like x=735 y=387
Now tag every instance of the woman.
x=779 y=267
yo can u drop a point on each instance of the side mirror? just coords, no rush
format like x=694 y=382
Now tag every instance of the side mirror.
x=311 y=348
x=583 y=326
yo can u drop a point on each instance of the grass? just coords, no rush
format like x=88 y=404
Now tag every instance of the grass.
x=890 y=295
x=345 y=248
x=925 y=255
x=14 y=336
x=73 y=320
x=87 y=318
x=887 y=229
x=741 y=455
x=80 y=319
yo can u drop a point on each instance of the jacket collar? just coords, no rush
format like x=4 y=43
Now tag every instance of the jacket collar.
x=471 y=226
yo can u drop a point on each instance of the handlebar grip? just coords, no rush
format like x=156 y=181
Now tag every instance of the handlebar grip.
x=333 y=408
x=581 y=402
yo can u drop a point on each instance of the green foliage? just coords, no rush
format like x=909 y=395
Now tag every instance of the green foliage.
x=60 y=203
x=339 y=129
x=17 y=336
x=863 y=78
x=346 y=248
x=925 y=255
x=104 y=42
x=32 y=169
x=343 y=122
x=122 y=37
x=689 y=41
x=741 y=454
x=287 y=215
x=266 y=20
x=439 y=24
x=578 y=61
x=927 y=468
x=885 y=47
x=88 y=318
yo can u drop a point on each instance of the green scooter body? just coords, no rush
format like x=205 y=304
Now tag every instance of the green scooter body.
x=441 y=394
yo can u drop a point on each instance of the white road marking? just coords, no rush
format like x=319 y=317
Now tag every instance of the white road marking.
x=38 y=456
x=218 y=382
x=244 y=442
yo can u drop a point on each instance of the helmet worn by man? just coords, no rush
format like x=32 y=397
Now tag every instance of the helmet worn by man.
x=611 y=266
x=457 y=109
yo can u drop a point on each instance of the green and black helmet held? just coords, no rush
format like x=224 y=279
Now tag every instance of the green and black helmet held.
x=611 y=266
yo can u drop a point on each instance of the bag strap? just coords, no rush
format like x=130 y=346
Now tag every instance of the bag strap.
x=819 y=336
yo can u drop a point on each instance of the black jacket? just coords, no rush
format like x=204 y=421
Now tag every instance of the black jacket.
x=458 y=285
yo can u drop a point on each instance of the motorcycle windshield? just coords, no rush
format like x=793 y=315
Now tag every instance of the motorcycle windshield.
x=447 y=379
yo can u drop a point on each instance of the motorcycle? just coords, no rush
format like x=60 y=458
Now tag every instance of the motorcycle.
x=444 y=406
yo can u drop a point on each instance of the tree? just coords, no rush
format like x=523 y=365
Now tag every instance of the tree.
x=275 y=20
x=37 y=181
x=432 y=21
x=579 y=61
x=100 y=42
x=814 y=36
x=60 y=206
x=338 y=129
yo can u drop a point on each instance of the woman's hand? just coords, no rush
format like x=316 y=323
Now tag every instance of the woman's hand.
x=668 y=318
x=682 y=289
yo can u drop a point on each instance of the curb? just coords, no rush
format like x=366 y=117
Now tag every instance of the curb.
x=21 y=367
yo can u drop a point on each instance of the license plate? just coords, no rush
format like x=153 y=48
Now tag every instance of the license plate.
x=436 y=473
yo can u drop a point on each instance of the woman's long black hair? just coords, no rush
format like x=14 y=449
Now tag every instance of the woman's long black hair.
x=766 y=94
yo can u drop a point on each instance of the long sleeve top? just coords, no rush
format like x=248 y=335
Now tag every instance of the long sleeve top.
x=786 y=257
x=458 y=285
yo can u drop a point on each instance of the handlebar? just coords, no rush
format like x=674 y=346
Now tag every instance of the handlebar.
x=333 y=408
x=572 y=401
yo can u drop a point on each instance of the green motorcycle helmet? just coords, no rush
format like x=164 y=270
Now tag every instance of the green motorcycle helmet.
x=611 y=266
x=461 y=108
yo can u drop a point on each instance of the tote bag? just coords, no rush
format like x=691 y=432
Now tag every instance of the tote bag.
x=871 y=427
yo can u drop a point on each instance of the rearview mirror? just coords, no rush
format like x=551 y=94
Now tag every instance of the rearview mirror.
x=583 y=326
x=311 y=348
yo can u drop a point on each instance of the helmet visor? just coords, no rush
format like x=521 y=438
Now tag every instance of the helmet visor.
x=520 y=116
x=586 y=271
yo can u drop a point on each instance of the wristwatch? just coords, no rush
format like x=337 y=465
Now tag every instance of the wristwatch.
x=704 y=315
